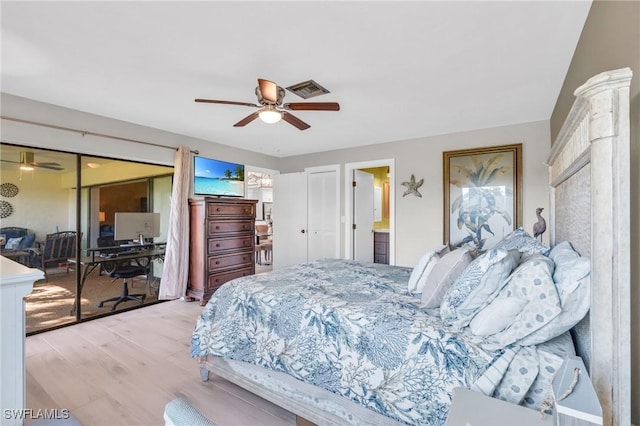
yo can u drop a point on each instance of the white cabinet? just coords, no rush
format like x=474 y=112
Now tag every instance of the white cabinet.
x=16 y=281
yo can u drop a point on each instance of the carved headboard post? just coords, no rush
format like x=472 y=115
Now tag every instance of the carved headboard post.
x=593 y=150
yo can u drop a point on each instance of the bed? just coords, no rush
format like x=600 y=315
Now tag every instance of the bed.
x=342 y=342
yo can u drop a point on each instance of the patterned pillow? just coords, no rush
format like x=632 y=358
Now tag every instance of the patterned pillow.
x=549 y=363
x=423 y=268
x=519 y=377
x=575 y=302
x=520 y=240
x=532 y=281
x=476 y=285
x=443 y=275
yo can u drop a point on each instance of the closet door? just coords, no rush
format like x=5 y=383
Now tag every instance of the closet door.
x=289 y=219
x=322 y=214
x=306 y=216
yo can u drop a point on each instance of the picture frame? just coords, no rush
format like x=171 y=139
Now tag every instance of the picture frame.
x=482 y=195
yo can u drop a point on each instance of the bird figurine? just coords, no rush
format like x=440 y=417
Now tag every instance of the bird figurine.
x=540 y=226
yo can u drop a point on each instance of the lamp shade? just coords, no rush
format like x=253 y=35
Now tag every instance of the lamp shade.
x=102 y=216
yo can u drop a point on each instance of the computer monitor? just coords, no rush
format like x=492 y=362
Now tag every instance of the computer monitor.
x=136 y=226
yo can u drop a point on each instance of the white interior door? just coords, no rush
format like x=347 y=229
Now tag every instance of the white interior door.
x=323 y=215
x=363 y=214
x=289 y=219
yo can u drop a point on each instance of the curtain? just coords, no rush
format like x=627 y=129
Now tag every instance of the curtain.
x=173 y=283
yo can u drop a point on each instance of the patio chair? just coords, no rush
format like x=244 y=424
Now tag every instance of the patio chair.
x=56 y=250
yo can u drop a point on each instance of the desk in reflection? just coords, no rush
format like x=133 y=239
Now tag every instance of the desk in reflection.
x=108 y=259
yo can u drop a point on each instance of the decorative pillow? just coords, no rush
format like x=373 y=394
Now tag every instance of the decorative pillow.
x=519 y=377
x=496 y=316
x=424 y=266
x=520 y=240
x=570 y=266
x=549 y=364
x=27 y=241
x=476 y=285
x=533 y=281
x=13 y=243
x=443 y=274
x=575 y=305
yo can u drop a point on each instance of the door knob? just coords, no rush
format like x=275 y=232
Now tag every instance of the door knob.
x=302 y=231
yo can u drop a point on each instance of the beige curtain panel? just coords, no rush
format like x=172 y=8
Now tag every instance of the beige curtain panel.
x=173 y=284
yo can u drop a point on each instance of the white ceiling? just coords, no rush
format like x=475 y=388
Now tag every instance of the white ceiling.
x=400 y=70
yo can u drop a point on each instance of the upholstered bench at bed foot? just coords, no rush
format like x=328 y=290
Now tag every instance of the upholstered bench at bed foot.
x=180 y=413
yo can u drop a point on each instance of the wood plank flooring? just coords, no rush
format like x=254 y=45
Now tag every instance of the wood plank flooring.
x=123 y=369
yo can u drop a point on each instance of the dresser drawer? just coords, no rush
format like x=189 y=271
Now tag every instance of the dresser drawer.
x=234 y=260
x=216 y=280
x=380 y=248
x=229 y=226
x=216 y=245
x=236 y=210
x=380 y=258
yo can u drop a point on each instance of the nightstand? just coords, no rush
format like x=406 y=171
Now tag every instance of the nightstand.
x=471 y=408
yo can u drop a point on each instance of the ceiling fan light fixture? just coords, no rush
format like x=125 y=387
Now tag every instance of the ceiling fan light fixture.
x=26 y=167
x=270 y=115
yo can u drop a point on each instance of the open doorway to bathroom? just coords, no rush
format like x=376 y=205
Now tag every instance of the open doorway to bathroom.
x=383 y=231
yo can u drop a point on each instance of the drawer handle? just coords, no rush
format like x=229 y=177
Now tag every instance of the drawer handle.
x=217 y=280
x=218 y=209
x=218 y=245
x=217 y=227
x=217 y=262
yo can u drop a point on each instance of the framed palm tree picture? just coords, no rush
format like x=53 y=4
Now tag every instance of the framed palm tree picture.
x=482 y=194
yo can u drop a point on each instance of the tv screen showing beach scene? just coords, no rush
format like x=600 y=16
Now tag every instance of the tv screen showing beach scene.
x=219 y=178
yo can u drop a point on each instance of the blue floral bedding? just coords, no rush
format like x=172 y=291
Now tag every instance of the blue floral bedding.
x=350 y=328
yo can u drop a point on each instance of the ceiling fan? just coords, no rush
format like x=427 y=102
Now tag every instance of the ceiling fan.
x=271 y=108
x=27 y=162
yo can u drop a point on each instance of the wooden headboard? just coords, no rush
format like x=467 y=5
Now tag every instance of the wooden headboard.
x=590 y=207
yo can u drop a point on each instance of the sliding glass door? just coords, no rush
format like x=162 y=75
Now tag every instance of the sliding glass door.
x=63 y=206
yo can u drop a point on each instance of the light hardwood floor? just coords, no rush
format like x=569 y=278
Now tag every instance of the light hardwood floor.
x=123 y=369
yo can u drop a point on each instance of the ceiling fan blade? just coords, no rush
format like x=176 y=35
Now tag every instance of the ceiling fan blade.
x=50 y=166
x=295 y=121
x=269 y=90
x=214 y=101
x=312 y=106
x=248 y=119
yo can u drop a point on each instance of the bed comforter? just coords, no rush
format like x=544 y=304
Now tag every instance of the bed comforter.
x=350 y=328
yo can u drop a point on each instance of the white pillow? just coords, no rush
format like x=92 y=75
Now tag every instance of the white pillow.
x=443 y=275
x=421 y=271
x=13 y=243
x=496 y=316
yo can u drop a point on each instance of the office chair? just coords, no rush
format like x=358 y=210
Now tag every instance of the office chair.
x=125 y=273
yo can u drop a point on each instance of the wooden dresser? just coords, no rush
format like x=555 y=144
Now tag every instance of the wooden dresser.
x=222 y=243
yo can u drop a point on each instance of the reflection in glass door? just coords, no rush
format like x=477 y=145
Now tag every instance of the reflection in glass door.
x=42 y=228
x=117 y=271
x=52 y=225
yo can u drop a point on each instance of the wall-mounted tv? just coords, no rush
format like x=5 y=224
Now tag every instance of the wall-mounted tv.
x=217 y=178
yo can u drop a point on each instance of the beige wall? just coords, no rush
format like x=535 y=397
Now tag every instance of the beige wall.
x=418 y=221
x=611 y=40
x=41 y=203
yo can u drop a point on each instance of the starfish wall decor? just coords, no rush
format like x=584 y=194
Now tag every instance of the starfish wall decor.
x=412 y=187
